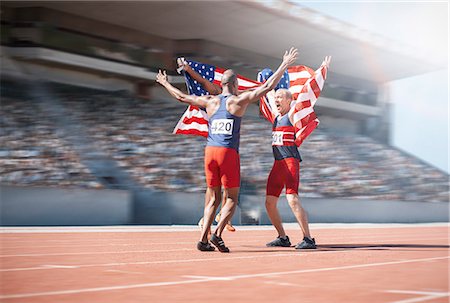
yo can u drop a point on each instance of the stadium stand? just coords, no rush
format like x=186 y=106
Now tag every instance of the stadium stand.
x=34 y=153
x=137 y=134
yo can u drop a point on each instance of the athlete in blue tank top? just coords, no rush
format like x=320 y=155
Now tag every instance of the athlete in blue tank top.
x=222 y=162
x=285 y=173
x=283 y=139
x=224 y=127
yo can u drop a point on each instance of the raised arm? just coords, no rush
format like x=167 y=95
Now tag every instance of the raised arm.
x=254 y=95
x=200 y=101
x=213 y=89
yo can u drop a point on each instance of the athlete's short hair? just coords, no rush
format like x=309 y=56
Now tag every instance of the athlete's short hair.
x=286 y=92
x=229 y=76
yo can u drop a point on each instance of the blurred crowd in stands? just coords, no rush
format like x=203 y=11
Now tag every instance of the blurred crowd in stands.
x=32 y=151
x=137 y=134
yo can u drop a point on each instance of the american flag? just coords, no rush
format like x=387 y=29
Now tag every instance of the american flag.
x=195 y=120
x=304 y=83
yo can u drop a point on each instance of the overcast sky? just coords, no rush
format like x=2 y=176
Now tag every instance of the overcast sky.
x=420 y=124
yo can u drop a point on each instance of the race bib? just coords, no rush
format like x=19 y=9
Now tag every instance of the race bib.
x=222 y=126
x=277 y=138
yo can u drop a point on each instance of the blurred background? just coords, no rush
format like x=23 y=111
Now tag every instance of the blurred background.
x=86 y=132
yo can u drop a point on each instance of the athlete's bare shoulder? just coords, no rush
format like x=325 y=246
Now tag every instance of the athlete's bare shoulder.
x=235 y=106
x=233 y=98
x=214 y=99
x=213 y=104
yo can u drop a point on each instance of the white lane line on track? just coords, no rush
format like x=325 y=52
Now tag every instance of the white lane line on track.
x=391 y=237
x=127 y=244
x=97 y=253
x=209 y=279
x=190 y=243
x=423 y=295
x=190 y=228
x=335 y=268
x=289 y=253
x=59 y=266
x=280 y=283
x=117 y=244
x=124 y=271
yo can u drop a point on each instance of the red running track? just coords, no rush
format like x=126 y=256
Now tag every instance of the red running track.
x=353 y=263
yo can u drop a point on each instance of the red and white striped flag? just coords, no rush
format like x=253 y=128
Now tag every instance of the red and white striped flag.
x=195 y=120
x=305 y=84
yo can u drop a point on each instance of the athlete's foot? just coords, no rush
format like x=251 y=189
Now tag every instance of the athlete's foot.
x=279 y=241
x=230 y=227
x=218 y=242
x=307 y=243
x=204 y=246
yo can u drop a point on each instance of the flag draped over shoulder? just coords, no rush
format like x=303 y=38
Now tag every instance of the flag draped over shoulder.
x=195 y=120
x=304 y=83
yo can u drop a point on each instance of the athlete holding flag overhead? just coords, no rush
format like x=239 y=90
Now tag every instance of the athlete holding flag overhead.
x=222 y=164
x=293 y=120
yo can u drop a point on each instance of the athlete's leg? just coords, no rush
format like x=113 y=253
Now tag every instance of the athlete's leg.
x=224 y=201
x=200 y=222
x=299 y=213
x=212 y=200
x=274 y=187
x=274 y=215
x=228 y=209
x=230 y=169
x=229 y=225
x=213 y=191
x=292 y=183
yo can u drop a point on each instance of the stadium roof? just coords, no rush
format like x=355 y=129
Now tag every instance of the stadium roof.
x=262 y=27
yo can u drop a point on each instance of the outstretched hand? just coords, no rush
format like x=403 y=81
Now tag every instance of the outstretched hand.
x=161 y=77
x=290 y=56
x=182 y=64
x=327 y=61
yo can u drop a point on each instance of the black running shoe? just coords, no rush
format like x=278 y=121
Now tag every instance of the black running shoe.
x=307 y=243
x=280 y=242
x=205 y=246
x=218 y=242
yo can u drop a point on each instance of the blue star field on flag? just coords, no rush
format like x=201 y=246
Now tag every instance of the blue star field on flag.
x=206 y=71
x=267 y=72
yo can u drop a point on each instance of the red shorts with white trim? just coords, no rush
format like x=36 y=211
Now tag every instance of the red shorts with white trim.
x=222 y=167
x=284 y=173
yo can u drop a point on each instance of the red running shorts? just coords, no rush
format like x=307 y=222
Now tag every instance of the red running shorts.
x=222 y=167
x=285 y=172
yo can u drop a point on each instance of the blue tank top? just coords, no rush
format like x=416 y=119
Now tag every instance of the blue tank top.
x=283 y=139
x=223 y=127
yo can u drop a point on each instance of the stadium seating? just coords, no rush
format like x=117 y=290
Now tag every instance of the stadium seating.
x=33 y=152
x=137 y=134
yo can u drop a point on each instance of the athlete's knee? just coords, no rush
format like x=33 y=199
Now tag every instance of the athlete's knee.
x=294 y=203
x=213 y=197
x=211 y=202
x=271 y=201
x=232 y=202
x=232 y=194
